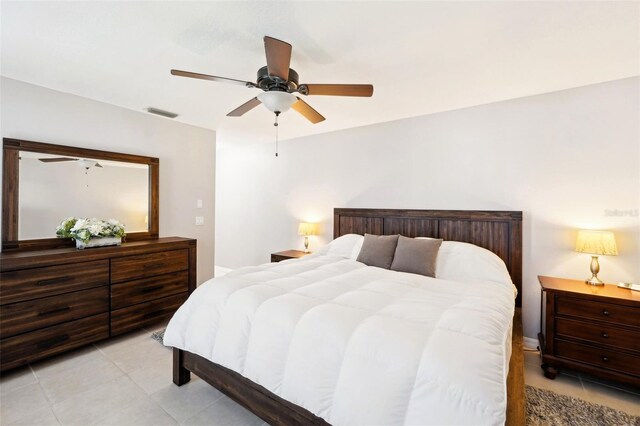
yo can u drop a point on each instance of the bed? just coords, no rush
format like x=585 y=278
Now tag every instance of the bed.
x=326 y=339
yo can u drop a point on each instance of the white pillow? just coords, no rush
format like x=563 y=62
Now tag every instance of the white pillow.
x=456 y=260
x=346 y=246
x=468 y=262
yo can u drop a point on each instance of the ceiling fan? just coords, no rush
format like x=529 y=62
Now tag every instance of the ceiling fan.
x=82 y=162
x=279 y=84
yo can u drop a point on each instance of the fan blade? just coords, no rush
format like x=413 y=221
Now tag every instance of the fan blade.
x=212 y=78
x=309 y=113
x=365 y=90
x=244 y=108
x=278 y=57
x=57 y=159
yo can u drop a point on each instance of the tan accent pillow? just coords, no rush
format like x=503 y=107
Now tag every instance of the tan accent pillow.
x=378 y=250
x=416 y=256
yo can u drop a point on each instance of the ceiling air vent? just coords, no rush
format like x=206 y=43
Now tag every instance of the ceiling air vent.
x=161 y=112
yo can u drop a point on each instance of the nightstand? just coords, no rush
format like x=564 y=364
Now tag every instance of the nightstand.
x=287 y=254
x=594 y=329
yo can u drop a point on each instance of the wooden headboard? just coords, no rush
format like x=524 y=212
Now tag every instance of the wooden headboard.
x=498 y=231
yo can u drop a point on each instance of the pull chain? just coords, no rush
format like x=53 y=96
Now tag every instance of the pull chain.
x=276 y=126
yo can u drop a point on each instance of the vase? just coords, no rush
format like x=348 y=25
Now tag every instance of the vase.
x=99 y=242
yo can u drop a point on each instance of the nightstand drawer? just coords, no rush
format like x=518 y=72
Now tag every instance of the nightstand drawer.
x=148 y=265
x=277 y=258
x=609 y=312
x=147 y=289
x=600 y=333
x=604 y=358
x=27 y=284
x=39 y=313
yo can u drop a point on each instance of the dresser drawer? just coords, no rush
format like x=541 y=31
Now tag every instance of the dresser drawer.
x=27 y=284
x=21 y=317
x=134 y=317
x=147 y=289
x=602 y=311
x=28 y=347
x=148 y=265
x=598 y=356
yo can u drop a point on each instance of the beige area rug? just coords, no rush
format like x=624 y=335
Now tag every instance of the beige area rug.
x=546 y=408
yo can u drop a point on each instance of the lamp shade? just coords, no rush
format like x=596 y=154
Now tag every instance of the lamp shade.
x=306 y=228
x=596 y=242
x=277 y=101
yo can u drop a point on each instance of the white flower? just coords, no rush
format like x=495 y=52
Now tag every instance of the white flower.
x=81 y=223
x=84 y=228
x=95 y=229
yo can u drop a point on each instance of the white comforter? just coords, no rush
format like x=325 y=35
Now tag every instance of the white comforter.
x=357 y=345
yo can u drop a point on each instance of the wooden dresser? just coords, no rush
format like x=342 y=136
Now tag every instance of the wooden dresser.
x=52 y=301
x=595 y=329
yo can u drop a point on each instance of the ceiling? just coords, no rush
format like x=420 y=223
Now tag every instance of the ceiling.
x=422 y=57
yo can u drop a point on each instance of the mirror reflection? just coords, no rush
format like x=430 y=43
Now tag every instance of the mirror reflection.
x=53 y=188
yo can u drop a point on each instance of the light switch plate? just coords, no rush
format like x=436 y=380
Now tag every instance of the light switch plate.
x=198 y=204
x=199 y=220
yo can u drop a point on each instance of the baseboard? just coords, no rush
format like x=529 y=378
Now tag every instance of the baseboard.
x=530 y=343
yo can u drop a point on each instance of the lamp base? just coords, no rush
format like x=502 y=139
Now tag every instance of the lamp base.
x=594 y=281
x=595 y=268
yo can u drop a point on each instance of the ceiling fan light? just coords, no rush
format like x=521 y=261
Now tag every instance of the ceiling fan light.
x=86 y=164
x=277 y=101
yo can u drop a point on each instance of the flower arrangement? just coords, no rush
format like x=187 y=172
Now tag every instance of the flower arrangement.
x=83 y=229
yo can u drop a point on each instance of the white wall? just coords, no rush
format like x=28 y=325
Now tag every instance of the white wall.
x=187 y=153
x=567 y=159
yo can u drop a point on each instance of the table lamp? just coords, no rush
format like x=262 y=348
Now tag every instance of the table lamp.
x=596 y=243
x=307 y=229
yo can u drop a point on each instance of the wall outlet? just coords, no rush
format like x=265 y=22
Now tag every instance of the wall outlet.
x=199 y=220
x=198 y=204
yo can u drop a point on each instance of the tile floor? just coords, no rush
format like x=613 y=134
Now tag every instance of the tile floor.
x=585 y=387
x=120 y=382
x=127 y=381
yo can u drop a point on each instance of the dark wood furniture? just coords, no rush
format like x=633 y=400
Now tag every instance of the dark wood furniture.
x=500 y=232
x=11 y=183
x=594 y=329
x=516 y=408
x=287 y=254
x=55 y=300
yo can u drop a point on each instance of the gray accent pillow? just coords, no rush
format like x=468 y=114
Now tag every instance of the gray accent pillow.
x=378 y=250
x=417 y=256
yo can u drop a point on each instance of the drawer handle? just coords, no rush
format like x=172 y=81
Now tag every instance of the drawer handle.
x=605 y=359
x=53 y=342
x=605 y=335
x=605 y=312
x=54 y=311
x=53 y=281
x=152 y=288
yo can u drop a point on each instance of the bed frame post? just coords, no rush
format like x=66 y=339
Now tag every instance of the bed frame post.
x=180 y=374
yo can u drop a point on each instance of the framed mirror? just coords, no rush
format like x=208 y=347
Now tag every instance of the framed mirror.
x=43 y=184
